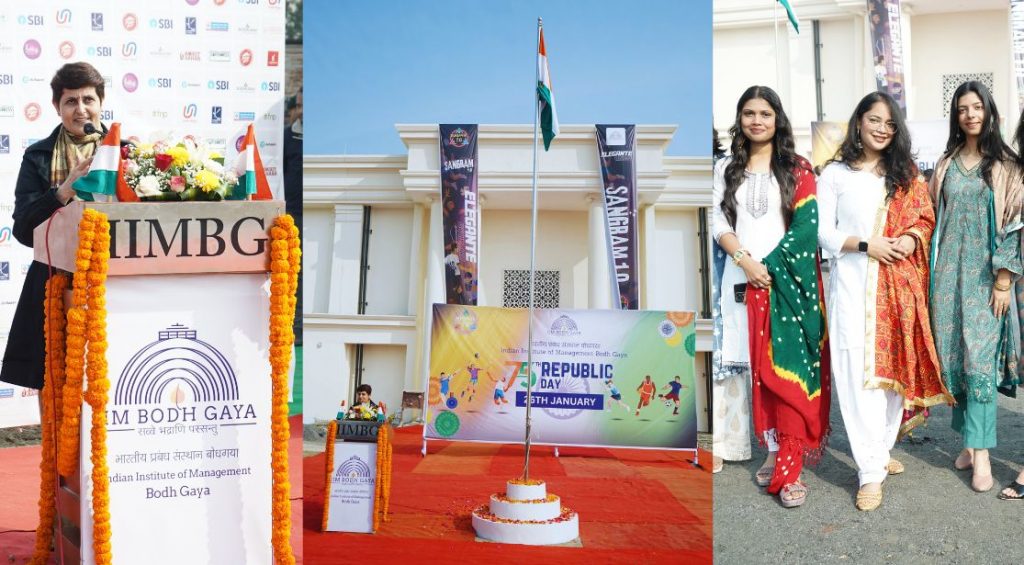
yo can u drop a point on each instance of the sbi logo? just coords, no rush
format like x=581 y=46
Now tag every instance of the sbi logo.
x=34 y=20
x=129 y=49
x=190 y=111
x=159 y=83
x=161 y=23
x=272 y=86
x=100 y=51
x=217 y=84
x=107 y=115
x=63 y=16
x=249 y=2
x=6 y=80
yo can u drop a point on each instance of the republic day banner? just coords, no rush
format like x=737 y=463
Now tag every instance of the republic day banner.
x=459 y=211
x=616 y=145
x=887 y=47
x=610 y=378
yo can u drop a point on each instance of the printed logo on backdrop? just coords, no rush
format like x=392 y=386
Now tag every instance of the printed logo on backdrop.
x=248 y=28
x=5 y=144
x=160 y=82
x=194 y=56
x=100 y=51
x=245 y=57
x=97 y=21
x=5 y=235
x=64 y=17
x=270 y=86
x=178 y=379
x=5 y=271
x=220 y=56
x=189 y=112
x=564 y=326
x=6 y=393
x=192 y=2
x=273 y=58
x=190 y=25
x=129 y=50
x=217 y=26
x=218 y=85
x=6 y=110
x=239 y=143
x=269 y=117
x=161 y=23
x=244 y=87
x=130 y=82
x=160 y=52
x=31 y=19
x=6 y=79
x=66 y=49
x=32 y=49
x=270 y=171
x=32 y=111
x=353 y=471
x=245 y=116
x=218 y=2
x=216 y=113
x=130 y=21
x=185 y=84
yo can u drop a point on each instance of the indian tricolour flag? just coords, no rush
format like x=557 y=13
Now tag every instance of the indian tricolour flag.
x=253 y=181
x=546 y=97
x=105 y=179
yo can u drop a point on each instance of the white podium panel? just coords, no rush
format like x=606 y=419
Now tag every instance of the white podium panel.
x=188 y=421
x=353 y=481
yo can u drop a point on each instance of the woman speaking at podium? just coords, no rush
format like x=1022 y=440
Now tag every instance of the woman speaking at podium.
x=48 y=170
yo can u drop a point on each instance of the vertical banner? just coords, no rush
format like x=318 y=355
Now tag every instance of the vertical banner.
x=459 y=211
x=1017 y=44
x=616 y=145
x=887 y=48
x=600 y=377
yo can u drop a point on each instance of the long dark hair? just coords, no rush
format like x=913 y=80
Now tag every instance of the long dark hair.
x=897 y=157
x=990 y=142
x=784 y=157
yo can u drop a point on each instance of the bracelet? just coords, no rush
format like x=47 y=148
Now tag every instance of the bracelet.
x=739 y=255
x=1000 y=288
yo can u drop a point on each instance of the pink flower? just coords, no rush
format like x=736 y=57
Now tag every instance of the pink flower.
x=177 y=183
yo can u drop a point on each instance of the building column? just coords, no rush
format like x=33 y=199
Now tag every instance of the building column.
x=433 y=287
x=416 y=260
x=649 y=256
x=348 y=239
x=599 y=284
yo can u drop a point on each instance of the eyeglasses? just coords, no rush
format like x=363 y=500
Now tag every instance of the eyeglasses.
x=877 y=123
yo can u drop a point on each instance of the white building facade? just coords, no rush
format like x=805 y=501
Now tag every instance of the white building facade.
x=372 y=265
x=945 y=42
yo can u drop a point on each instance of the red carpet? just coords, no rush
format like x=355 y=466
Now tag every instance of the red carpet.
x=19 y=475
x=635 y=506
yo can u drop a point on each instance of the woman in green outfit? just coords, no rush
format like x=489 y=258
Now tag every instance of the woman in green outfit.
x=976 y=250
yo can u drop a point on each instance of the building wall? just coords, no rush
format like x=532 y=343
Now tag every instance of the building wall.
x=387 y=281
x=317 y=254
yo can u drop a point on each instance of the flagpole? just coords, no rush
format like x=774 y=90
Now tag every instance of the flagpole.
x=775 y=31
x=533 y=255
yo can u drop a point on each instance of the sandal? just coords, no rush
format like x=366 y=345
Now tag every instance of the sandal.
x=763 y=476
x=797 y=493
x=717 y=464
x=1017 y=488
x=895 y=467
x=868 y=501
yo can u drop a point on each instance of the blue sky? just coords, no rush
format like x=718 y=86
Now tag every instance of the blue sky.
x=371 y=64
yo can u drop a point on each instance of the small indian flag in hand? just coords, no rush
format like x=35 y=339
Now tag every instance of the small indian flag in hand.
x=253 y=181
x=105 y=179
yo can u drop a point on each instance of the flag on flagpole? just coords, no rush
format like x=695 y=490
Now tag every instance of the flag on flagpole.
x=791 y=14
x=253 y=181
x=106 y=174
x=546 y=97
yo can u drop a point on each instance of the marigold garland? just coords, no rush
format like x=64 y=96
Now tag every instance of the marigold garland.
x=382 y=484
x=67 y=462
x=53 y=311
x=285 y=262
x=332 y=433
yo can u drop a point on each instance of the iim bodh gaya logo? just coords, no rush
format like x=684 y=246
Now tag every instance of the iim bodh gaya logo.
x=172 y=378
x=458 y=138
x=353 y=471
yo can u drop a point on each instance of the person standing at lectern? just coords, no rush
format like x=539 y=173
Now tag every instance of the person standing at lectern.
x=48 y=170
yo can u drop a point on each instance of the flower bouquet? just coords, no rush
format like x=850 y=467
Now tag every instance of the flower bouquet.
x=180 y=170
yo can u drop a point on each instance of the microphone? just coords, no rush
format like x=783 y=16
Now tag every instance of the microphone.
x=89 y=128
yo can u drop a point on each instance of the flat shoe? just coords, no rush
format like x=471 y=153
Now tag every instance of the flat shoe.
x=868 y=501
x=763 y=476
x=798 y=492
x=1017 y=488
x=895 y=467
x=717 y=464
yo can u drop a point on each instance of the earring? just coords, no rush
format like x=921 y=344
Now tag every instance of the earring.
x=856 y=141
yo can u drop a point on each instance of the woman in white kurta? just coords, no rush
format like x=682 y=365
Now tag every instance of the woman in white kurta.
x=873 y=165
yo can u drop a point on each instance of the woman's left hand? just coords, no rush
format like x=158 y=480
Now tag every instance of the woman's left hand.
x=1000 y=302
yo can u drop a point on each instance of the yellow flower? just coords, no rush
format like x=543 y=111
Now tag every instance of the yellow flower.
x=179 y=154
x=214 y=155
x=207 y=181
x=144 y=149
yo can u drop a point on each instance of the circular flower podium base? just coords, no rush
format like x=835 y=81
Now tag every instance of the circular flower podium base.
x=538 y=520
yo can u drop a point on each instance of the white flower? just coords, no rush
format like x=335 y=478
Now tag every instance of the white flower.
x=148 y=185
x=213 y=166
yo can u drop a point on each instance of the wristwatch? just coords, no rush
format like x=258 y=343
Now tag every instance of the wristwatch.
x=862 y=247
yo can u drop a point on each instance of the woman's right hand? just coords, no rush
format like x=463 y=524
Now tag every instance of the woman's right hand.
x=885 y=250
x=756 y=272
x=66 y=192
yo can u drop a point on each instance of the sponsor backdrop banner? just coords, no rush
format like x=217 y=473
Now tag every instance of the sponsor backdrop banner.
x=188 y=420
x=460 y=212
x=887 y=47
x=352 y=486
x=1017 y=43
x=589 y=377
x=616 y=145
x=190 y=67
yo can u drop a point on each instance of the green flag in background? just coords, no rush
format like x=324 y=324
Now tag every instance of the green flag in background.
x=791 y=14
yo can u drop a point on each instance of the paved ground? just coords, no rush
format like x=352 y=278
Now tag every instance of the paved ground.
x=929 y=513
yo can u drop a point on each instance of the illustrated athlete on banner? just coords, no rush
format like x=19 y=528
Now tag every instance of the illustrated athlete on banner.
x=646 y=389
x=616 y=396
x=673 y=396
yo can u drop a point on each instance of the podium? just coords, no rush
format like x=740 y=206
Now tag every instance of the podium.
x=353 y=474
x=188 y=436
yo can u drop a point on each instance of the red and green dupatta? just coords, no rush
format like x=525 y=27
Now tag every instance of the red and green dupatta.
x=788 y=349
